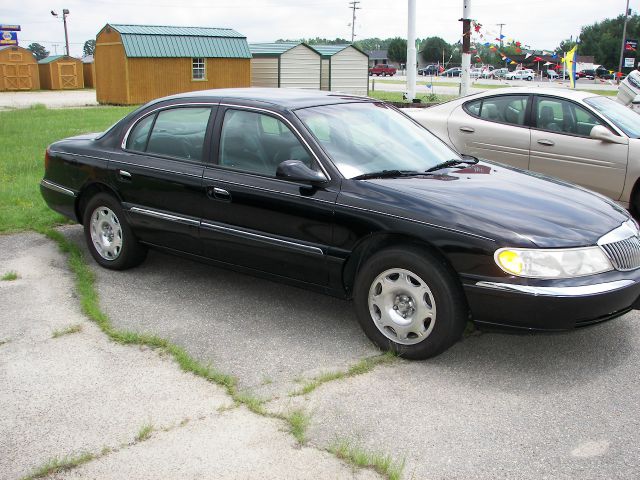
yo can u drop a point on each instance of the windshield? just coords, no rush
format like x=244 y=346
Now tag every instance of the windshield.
x=622 y=117
x=364 y=138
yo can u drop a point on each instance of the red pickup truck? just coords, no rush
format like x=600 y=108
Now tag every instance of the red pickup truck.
x=382 y=69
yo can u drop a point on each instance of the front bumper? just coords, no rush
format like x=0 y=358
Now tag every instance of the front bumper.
x=552 y=307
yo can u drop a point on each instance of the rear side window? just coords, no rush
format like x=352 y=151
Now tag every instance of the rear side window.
x=140 y=134
x=175 y=132
x=510 y=109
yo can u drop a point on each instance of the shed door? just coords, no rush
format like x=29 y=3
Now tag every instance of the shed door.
x=68 y=75
x=18 y=77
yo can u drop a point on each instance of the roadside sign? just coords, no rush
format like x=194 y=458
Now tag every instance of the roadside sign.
x=11 y=28
x=629 y=62
x=8 y=38
x=631 y=45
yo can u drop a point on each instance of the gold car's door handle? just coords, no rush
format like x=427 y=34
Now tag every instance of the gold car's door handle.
x=467 y=129
x=546 y=142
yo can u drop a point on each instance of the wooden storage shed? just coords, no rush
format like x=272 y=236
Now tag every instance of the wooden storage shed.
x=285 y=65
x=60 y=72
x=137 y=63
x=345 y=68
x=18 y=69
x=89 y=71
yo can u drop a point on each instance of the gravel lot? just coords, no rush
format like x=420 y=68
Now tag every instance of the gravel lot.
x=50 y=98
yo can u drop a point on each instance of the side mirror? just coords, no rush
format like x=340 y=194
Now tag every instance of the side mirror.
x=636 y=100
x=296 y=171
x=603 y=133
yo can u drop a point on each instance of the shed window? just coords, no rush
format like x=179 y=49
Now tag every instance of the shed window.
x=198 y=69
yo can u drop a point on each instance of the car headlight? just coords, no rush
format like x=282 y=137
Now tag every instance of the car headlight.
x=552 y=263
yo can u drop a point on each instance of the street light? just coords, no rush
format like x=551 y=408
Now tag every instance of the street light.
x=65 y=13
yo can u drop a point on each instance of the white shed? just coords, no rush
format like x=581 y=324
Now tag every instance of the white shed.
x=285 y=65
x=345 y=68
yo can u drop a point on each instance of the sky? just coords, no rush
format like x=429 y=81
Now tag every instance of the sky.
x=542 y=24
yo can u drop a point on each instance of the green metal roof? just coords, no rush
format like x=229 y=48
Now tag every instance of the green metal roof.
x=329 y=50
x=51 y=58
x=273 y=49
x=179 y=42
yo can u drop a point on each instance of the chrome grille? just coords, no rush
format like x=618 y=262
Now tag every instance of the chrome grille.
x=624 y=254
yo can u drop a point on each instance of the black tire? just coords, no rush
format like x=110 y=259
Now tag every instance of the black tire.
x=450 y=311
x=130 y=253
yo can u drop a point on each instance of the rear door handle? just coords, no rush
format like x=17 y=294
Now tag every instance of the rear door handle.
x=218 y=193
x=467 y=129
x=546 y=142
x=124 y=175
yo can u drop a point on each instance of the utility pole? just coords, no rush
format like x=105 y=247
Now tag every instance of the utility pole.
x=466 y=48
x=65 y=13
x=624 y=38
x=501 y=44
x=411 y=51
x=354 y=6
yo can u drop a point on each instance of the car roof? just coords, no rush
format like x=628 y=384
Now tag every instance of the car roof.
x=578 y=95
x=289 y=98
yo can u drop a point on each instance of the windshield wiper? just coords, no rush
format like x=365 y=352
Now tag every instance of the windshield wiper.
x=466 y=159
x=387 y=174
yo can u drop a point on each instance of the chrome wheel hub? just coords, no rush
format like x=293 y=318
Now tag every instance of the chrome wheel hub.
x=402 y=306
x=106 y=233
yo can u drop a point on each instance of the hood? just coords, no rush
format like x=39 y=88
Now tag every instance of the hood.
x=509 y=205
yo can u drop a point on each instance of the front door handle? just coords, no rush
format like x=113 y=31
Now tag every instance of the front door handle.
x=467 y=129
x=548 y=143
x=218 y=193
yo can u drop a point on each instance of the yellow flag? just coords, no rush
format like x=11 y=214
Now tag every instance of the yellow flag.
x=570 y=60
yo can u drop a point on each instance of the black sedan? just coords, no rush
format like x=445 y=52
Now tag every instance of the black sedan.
x=348 y=196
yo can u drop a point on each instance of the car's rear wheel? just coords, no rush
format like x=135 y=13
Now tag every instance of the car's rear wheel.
x=108 y=235
x=408 y=301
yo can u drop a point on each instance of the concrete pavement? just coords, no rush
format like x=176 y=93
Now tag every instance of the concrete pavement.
x=497 y=405
x=62 y=395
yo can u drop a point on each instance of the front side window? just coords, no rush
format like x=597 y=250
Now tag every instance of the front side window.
x=198 y=69
x=561 y=116
x=175 y=132
x=258 y=143
x=368 y=137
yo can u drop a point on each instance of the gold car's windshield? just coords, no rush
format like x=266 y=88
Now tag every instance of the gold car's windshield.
x=622 y=117
x=363 y=138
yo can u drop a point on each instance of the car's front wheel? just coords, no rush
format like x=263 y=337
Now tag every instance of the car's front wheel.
x=108 y=235
x=408 y=301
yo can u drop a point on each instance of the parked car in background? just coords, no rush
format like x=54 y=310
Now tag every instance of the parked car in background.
x=475 y=72
x=382 y=69
x=429 y=70
x=520 y=75
x=348 y=196
x=487 y=71
x=577 y=136
x=452 y=72
x=500 y=72
x=629 y=91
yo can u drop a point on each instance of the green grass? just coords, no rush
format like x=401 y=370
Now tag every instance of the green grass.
x=383 y=464
x=397 y=97
x=66 y=331
x=606 y=93
x=363 y=366
x=9 y=276
x=144 y=433
x=24 y=136
x=298 y=423
x=59 y=465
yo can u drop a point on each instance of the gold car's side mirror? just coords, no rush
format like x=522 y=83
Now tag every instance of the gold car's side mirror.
x=603 y=133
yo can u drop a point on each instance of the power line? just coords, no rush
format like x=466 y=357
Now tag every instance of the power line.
x=354 y=6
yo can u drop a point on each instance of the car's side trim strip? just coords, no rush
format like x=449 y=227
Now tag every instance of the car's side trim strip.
x=263 y=238
x=57 y=188
x=578 y=291
x=58 y=152
x=139 y=165
x=165 y=216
